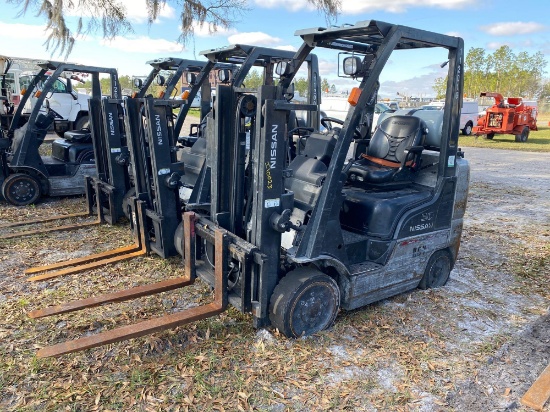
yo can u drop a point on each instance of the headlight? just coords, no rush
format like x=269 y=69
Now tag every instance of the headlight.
x=351 y=65
x=223 y=75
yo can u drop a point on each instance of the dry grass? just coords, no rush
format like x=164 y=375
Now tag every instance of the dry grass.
x=404 y=354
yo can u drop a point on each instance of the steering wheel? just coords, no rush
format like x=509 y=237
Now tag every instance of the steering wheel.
x=324 y=121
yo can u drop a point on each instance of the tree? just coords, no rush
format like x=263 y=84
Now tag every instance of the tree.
x=440 y=86
x=503 y=71
x=110 y=16
x=253 y=79
x=325 y=86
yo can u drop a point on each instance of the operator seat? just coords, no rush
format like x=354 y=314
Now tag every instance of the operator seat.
x=309 y=168
x=393 y=152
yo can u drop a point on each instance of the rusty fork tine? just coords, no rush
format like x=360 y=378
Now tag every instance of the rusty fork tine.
x=119 y=296
x=88 y=266
x=83 y=260
x=47 y=219
x=53 y=229
x=132 y=331
x=164 y=322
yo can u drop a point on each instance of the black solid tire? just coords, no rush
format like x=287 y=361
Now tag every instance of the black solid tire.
x=467 y=131
x=437 y=270
x=524 y=134
x=304 y=302
x=20 y=189
x=490 y=136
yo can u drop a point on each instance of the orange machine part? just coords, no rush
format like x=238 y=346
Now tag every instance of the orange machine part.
x=354 y=96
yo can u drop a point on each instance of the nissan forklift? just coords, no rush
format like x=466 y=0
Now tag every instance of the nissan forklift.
x=169 y=171
x=350 y=219
x=25 y=175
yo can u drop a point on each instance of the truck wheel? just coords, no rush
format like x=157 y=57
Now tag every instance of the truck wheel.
x=304 y=302
x=20 y=189
x=437 y=270
x=467 y=131
x=83 y=122
x=522 y=138
x=490 y=136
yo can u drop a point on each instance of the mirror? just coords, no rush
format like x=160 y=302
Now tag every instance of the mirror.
x=191 y=78
x=138 y=83
x=282 y=68
x=289 y=92
x=160 y=80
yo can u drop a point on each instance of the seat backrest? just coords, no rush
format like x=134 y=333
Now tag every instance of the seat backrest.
x=394 y=135
x=320 y=146
x=433 y=120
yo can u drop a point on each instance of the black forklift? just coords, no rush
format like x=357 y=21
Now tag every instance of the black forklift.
x=25 y=175
x=110 y=190
x=293 y=237
x=168 y=171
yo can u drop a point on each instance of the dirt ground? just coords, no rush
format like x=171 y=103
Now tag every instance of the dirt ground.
x=476 y=344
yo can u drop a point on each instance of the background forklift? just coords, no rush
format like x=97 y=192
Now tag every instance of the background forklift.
x=25 y=175
x=292 y=239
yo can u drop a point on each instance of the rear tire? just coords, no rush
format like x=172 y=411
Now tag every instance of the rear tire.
x=437 y=270
x=20 y=189
x=304 y=302
x=522 y=138
x=467 y=131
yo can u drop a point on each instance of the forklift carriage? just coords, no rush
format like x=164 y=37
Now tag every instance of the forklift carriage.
x=292 y=236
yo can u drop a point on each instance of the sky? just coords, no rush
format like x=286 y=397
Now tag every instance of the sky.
x=488 y=24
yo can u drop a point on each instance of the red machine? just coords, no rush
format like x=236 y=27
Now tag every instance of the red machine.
x=511 y=117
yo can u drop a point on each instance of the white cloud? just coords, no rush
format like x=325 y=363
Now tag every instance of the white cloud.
x=513 y=28
x=454 y=33
x=256 y=38
x=143 y=44
x=328 y=67
x=23 y=31
x=287 y=47
x=496 y=45
x=362 y=6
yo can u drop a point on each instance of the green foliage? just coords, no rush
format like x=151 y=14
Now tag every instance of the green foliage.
x=325 y=86
x=254 y=79
x=504 y=72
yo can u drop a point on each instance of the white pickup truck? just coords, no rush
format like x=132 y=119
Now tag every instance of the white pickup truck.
x=468 y=114
x=72 y=106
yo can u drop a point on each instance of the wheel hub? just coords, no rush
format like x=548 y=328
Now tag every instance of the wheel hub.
x=22 y=190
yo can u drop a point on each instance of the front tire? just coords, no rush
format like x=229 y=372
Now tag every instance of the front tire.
x=20 y=189
x=490 y=136
x=437 y=270
x=304 y=302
